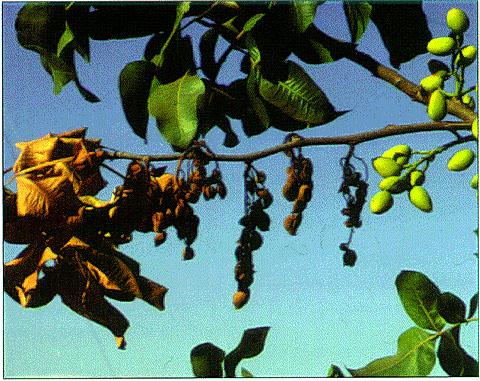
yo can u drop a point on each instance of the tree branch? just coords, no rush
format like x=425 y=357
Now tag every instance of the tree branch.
x=349 y=51
x=353 y=139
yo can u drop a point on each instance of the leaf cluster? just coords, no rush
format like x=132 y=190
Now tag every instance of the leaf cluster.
x=209 y=360
x=430 y=310
x=165 y=82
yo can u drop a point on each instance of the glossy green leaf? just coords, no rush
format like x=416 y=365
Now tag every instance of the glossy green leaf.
x=335 y=371
x=302 y=14
x=246 y=373
x=403 y=28
x=299 y=97
x=419 y=296
x=415 y=358
x=207 y=360
x=174 y=106
x=251 y=345
x=358 y=15
x=134 y=84
x=451 y=308
x=207 y=45
x=473 y=305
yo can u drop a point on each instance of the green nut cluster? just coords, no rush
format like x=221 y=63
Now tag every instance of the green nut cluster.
x=390 y=166
x=432 y=86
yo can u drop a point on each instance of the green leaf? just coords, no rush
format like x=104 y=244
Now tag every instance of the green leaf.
x=335 y=371
x=77 y=13
x=299 y=97
x=182 y=8
x=302 y=14
x=251 y=345
x=207 y=360
x=403 y=28
x=358 y=15
x=66 y=38
x=473 y=305
x=415 y=358
x=246 y=373
x=177 y=56
x=248 y=26
x=419 y=297
x=311 y=51
x=450 y=355
x=451 y=308
x=174 y=106
x=40 y=24
x=207 y=45
x=255 y=100
x=134 y=84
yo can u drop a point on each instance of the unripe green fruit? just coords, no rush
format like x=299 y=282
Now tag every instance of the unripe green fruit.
x=474 y=182
x=461 y=160
x=432 y=82
x=475 y=128
x=468 y=101
x=420 y=198
x=392 y=184
x=381 y=202
x=386 y=167
x=437 y=107
x=417 y=178
x=457 y=20
x=469 y=54
x=401 y=154
x=442 y=46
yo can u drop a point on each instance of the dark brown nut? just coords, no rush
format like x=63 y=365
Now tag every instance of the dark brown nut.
x=160 y=238
x=292 y=222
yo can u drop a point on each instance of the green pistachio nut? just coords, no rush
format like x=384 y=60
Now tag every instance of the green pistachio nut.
x=457 y=20
x=442 y=46
x=386 y=167
x=420 y=198
x=393 y=184
x=401 y=154
x=475 y=128
x=461 y=160
x=468 y=101
x=474 y=182
x=437 y=106
x=381 y=202
x=417 y=178
x=433 y=82
x=469 y=54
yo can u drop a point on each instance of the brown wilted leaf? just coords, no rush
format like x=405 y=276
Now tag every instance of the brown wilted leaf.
x=47 y=193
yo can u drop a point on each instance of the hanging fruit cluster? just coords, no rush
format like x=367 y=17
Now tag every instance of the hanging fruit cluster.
x=257 y=199
x=298 y=187
x=355 y=200
x=460 y=58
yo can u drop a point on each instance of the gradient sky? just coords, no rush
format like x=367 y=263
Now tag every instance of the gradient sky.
x=321 y=313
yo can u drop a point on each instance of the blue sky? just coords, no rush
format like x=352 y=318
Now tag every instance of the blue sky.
x=320 y=312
